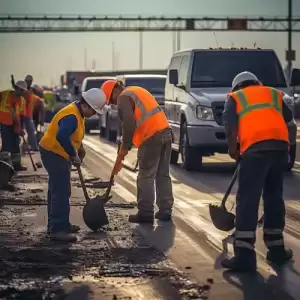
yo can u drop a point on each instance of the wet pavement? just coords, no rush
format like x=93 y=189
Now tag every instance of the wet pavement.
x=115 y=263
x=192 y=243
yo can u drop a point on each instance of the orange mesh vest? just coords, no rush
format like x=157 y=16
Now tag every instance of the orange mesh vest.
x=259 y=110
x=10 y=108
x=149 y=116
x=49 y=141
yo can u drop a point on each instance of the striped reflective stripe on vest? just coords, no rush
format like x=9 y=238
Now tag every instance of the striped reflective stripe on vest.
x=3 y=102
x=145 y=114
x=246 y=107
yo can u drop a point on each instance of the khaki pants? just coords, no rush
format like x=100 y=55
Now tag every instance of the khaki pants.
x=154 y=175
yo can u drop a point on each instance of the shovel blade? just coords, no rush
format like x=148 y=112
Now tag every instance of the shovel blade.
x=6 y=173
x=221 y=218
x=94 y=214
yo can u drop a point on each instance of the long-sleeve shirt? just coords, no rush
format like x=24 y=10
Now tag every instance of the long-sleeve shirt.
x=67 y=127
x=126 y=114
x=230 y=121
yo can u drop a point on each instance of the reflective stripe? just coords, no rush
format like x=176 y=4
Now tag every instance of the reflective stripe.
x=244 y=234
x=272 y=231
x=242 y=244
x=16 y=157
x=145 y=114
x=4 y=102
x=5 y=155
x=246 y=107
x=274 y=243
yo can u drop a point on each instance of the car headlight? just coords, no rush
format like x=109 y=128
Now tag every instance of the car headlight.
x=204 y=113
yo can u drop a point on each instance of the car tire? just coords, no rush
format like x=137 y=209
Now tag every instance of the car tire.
x=292 y=157
x=191 y=159
x=174 y=157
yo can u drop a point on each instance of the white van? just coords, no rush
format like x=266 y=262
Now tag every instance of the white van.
x=197 y=83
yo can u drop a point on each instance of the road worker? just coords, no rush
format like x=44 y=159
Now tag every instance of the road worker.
x=256 y=117
x=38 y=108
x=144 y=125
x=28 y=122
x=60 y=146
x=12 y=106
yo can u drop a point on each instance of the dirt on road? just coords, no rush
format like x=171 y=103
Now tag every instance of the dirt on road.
x=115 y=263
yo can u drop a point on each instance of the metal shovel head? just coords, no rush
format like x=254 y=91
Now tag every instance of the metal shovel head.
x=221 y=218
x=6 y=173
x=94 y=214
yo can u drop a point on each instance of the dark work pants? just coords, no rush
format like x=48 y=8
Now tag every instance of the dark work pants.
x=59 y=190
x=154 y=175
x=10 y=145
x=260 y=173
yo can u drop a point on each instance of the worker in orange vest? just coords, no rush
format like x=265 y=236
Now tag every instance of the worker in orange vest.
x=28 y=122
x=256 y=117
x=12 y=106
x=38 y=110
x=144 y=125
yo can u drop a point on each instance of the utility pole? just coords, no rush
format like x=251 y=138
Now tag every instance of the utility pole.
x=113 y=56
x=141 y=50
x=85 y=59
x=290 y=54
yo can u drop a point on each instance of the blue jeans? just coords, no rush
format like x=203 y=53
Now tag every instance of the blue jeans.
x=29 y=126
x=59 y=190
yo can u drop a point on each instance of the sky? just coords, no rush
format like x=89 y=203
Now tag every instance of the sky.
x=48 y=55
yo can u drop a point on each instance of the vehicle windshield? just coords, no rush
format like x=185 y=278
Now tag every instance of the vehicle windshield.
x=152 y=85
x=94 y=83
x=218 y=68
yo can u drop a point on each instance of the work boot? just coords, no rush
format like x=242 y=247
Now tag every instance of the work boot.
x=137 y=218
x=163 y=216
x=240 y=265
x=19 y=168
x=279 y=257
x=62 y=237
x=72 y=229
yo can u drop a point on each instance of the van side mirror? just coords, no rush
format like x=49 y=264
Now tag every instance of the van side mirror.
x=173 y=77
x=295 y=78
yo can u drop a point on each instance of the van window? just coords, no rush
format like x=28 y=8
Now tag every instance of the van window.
x=94 y=83
x=175 y=62
x=183 y=70
x=152 y=85
x=218 y=68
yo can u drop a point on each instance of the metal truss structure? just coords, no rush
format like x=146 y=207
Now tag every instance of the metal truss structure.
x=70 y=23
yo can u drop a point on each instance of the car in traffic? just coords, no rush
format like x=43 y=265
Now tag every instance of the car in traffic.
x=196 y=90
x=89 y=83
x=154 y=83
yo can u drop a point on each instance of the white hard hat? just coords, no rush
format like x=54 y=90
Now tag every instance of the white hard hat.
x=244 y=76
x=21 y=85
x=95 y=98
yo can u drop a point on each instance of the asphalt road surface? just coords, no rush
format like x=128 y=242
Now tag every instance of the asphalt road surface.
x=193 y=241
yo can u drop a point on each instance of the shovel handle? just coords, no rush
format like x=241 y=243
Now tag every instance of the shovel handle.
x=30 y=156
x=107 y=192
x=228 y=191
x=86 y=195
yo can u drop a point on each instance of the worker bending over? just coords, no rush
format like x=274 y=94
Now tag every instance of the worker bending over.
x=12 y=106
x=144 y=125
x=256 y=116
x=59 y=147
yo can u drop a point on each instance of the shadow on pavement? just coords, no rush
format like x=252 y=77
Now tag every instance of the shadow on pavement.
x=255 y=286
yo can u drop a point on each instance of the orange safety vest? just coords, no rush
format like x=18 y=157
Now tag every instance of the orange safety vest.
x=259 y=110
x=29 y=103
x=11 y=108
x=149 y=116
x=49 y=141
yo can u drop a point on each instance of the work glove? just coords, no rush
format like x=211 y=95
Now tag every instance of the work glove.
x=81 y=153
x=76 y=161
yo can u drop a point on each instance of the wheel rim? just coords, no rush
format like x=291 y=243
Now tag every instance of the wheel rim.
x=183 y=147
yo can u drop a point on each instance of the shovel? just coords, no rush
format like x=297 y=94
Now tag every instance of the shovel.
x=30 y=156
x=220 y=216
x=93 y=213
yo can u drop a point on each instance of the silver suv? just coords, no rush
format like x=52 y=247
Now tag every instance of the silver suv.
x=195 y=92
